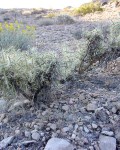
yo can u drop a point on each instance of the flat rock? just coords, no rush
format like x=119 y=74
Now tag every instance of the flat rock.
x=5 y=142
x=107 y=143
x=58 y=144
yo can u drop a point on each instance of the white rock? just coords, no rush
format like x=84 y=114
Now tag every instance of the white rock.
x=58 y=144
x=5 y=142
x=107 y=143
x=17 y=132
x=35 y=136
x=73 y=136
x=53 y=126
x=65 y=107
x=27 y=134
x=86 y=129
x=91 y=107
x=94 y=126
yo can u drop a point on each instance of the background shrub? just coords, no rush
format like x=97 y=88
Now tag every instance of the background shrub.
x=16 y=35
x=88 y=8
x=46 y=21
x=64 y=19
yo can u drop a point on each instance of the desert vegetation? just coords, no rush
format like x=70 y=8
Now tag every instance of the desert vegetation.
x=23 y=70
x=59 y=79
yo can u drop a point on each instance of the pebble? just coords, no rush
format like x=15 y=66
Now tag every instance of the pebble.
x=36 y=136
x=65 y=107
x=114 y=110
x=27 y=134
x=53 y=126
x=2 y=116
x=94 y=126
x=86 y=129
x=73 y=136
x=17 y=132
x=65 y=129
x=91 y=107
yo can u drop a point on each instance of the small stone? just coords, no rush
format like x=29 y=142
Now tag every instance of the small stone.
x=36 y=127
x=53 y=126
x=73 y=136
x=27 y=134
x=65 y=107
x=45 y=112
x=35 y=136
x=114 y=110
x=91 y=107
x=17 y=132
x=91 y=148
x=94 y=126
x=107 y=143
x=5 y=142
x=86 y=129
x=108 y=133
x=65 y=129
x=76 y=127
x=58 y=144
x=2 y=116
x=5 y=120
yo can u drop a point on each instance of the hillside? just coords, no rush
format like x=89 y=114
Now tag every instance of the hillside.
x=84 y=109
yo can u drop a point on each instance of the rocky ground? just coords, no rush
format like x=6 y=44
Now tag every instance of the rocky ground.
x=84 y=112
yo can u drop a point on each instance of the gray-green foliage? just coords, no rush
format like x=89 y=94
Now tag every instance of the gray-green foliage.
x=16 y=39
x=26 y=72
x=16 y=35
x=114 y=38
x=46 y=22
x=29 y=72
x=64 y=19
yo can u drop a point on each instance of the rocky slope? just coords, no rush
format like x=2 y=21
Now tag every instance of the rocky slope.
x=85 y=112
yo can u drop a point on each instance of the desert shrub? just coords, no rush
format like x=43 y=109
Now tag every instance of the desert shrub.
x=16 y=35
x=26 y=72
x=46 y=21
x=88 y=8
x=90 y=50
x=51 y=15
x=115 y=35
x=64 y=19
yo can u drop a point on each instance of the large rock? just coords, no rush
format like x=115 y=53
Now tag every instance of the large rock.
x=5 y=142
x=58 y=144
x=107 y=143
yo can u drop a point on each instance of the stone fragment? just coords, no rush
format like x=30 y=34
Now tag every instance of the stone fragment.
x=35 y=136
